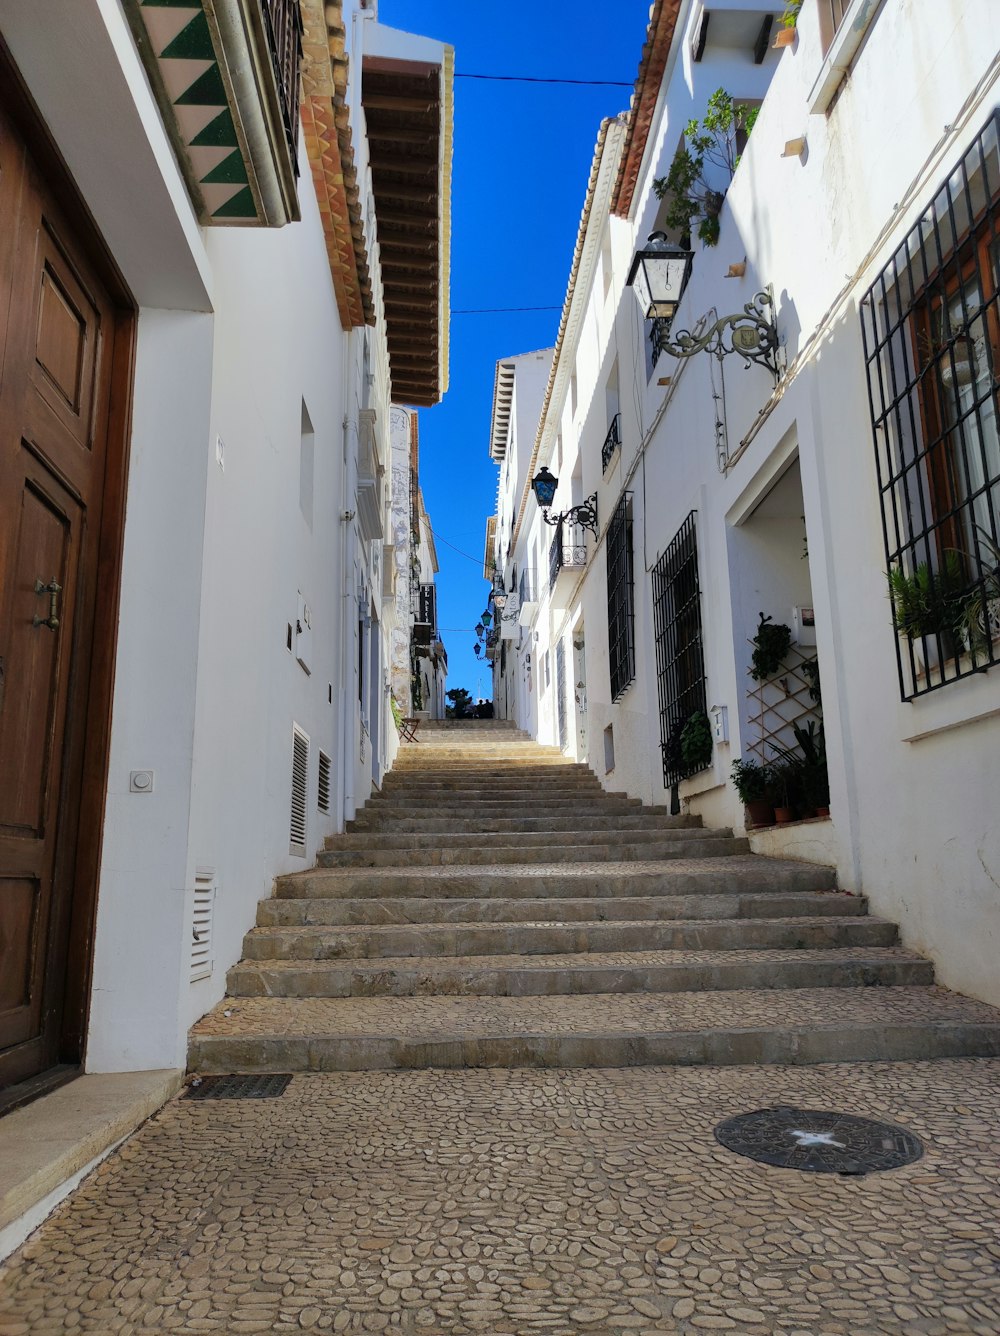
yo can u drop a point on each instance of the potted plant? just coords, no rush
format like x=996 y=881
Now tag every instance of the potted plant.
x=696 y=742
x=770 y=646
x=751 y=780
x=980 y=621
x=785 y=35
x=708 y=143
x=928 y=607
x=784 y=785
x=815 y=778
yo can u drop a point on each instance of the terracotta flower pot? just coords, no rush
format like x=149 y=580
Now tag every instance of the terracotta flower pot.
x=782 y=815
x=783 y=37
x=822 y=811
x=759 y=813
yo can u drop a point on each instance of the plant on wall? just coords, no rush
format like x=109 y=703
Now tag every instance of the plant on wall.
x=708 y=143
x=791 y=15
x=928 y=602
x=770 y=645
x=696 y=742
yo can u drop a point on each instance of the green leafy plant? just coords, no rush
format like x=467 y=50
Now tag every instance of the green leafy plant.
x=786 y=782
x=751 y=780
x=770 y=645
x=810 y=671
x=417 y=691
x=696 y=742
x=980 y=604
x=815 y=778
x=397 y=713
x=929 y=601
x=710 y=143
x=791 y=15
x=461 y=706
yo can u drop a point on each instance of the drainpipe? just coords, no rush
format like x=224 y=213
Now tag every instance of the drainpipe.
x=348 y=612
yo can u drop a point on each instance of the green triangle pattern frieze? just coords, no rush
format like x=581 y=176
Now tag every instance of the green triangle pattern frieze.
x=199 y=102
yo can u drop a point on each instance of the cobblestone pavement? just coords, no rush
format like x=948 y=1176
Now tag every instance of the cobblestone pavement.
x=510 y=1202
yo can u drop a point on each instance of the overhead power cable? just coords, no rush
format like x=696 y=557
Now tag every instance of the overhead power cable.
x=477 y=560
x=539 y=79
x=500 y=310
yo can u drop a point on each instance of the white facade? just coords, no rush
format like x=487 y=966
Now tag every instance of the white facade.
x=252 y=577
x=782 y=479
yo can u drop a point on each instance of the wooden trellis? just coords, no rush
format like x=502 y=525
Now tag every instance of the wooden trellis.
x=781 y=702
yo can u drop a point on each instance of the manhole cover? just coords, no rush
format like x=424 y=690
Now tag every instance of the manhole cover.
x=818 y=1141
x=238 y=1087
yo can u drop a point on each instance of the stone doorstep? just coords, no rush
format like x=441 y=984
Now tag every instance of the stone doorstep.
x=49 y=1141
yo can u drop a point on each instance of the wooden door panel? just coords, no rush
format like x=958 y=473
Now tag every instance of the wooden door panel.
x=65 y=338
x=11 y=186
x=34 y=668
x=20 y=994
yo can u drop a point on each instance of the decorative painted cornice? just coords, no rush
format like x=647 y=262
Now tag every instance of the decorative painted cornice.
x=655 y=55
x=329 y=147
x=212 y=71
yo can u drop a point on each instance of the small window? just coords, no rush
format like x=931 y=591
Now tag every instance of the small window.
x=307 y=466
x=323 y=792
x=202 y=923
x=609 y=749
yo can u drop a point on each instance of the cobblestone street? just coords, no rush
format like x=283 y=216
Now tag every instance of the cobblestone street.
x=529 y=1201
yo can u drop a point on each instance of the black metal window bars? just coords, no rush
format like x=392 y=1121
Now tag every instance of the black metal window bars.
x=931 y=329
x=680 y=660
x=283 y=24
x=611 y=442
x=569 y=548
x=621 y=598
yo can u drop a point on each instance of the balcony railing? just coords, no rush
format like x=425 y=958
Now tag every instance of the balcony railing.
x=568 y=551
x=611 y=442
x=283 y=21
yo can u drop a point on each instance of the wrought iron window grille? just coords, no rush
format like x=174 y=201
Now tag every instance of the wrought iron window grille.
x=621 y=598
x=680 y=660
x=283 y=24
x=931 y=331
x=611 y=442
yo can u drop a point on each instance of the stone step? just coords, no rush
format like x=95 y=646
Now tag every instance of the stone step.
x=382 y=941
x=739 y=873
x=797 y=905
x=678 y=845
x=544 y=801
x=569 y=975
x=512 y=839
x=486 y=825
x=496 y=771
x=598 y=1030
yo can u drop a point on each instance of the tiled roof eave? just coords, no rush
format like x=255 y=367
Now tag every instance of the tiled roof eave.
x=652 y=66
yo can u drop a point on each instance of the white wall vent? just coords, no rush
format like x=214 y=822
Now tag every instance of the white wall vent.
x=323 y=798
x=202 y=920
x=300 y=789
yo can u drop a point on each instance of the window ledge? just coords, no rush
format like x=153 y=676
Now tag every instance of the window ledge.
x=843 y=49
x=964 y=701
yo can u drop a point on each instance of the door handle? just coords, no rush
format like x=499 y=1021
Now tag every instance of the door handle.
x=53 y=590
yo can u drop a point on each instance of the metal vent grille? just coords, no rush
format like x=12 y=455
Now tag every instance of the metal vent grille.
x=323 y=798
x=300 y=788
x=238 y=1087
x=202 y=917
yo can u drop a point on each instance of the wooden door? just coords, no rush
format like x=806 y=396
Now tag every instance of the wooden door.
x=57 y=351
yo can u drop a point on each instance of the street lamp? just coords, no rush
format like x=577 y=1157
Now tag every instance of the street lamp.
x=544 y=485
x=658 y=277
x=486 y=617
x=479 y=628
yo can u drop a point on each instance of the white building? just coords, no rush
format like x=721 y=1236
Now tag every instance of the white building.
x=866 y=203
x=210 y=298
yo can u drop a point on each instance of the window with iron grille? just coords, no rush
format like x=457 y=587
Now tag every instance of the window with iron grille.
x=283 y=24
x=680 y=660
x=931 y=327
x=621 y=598
x=611 y=442
x=561 y=694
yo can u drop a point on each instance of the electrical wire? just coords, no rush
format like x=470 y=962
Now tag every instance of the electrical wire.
x=477 y=560
x=538 y=79
x=501 y=310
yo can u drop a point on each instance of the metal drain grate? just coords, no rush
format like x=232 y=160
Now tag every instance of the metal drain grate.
x=818 y=1141
x=238 y=1087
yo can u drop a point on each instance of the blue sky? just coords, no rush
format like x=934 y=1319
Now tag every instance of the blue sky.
x=522 y=160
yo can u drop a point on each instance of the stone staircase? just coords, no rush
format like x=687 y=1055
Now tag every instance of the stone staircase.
x=493 y=906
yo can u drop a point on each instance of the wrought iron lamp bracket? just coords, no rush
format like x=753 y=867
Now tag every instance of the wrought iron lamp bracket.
x=752 y=334
x=585 y=515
